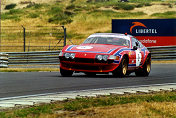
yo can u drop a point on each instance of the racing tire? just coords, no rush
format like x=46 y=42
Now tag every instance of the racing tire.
x=66 y=73
x=121 y=71
x=146 y=68
x=90 y=74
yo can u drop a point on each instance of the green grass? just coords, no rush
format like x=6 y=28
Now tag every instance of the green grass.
x=33 y=15
x=144 y=1
x=13 y=14
x=84 y=103
x=110 y=13
x=169 y=14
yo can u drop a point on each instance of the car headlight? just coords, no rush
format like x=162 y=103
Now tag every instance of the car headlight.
x=105 y=57
x=72 y=55
x=102 y=57
x=99 y=57
x=67 y=55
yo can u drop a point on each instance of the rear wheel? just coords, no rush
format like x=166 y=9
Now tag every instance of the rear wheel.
x=66 y=73
x=146 y=68
x=121 y=71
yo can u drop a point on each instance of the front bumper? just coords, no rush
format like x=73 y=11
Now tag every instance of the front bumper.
x=87 y=65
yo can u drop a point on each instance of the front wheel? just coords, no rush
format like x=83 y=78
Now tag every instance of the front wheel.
x=146 y=68
x=66 y=73
x=121 y=71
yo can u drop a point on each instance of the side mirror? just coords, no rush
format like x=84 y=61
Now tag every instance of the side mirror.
x=134 y=47
x=137 y=44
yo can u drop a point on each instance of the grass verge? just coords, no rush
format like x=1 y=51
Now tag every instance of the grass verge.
x=134 y=105
x=169 y=14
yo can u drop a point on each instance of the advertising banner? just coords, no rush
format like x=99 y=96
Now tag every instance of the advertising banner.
x=151 y=32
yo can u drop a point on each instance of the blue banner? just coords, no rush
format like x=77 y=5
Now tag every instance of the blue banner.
x=145 y=27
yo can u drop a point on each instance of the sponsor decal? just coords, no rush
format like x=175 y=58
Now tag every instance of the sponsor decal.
x=142 y=31
x=84 y=47
x=147 y=41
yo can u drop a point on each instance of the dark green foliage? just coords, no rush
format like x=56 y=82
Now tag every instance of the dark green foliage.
x=33 y=15
x=139 y=5
x=143 y=0
x=10 y=6
x=72 y=1
x=69 y=13
x=143 y=4
x=70 y=7
x=55 y=10
x=148 y=4
x=60 y=16
x=35 y=6
x=124 y=6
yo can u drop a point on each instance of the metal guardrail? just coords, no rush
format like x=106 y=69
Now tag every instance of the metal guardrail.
x=42 y=57
x=3 y=60
x=52 y=57
x=163 y=52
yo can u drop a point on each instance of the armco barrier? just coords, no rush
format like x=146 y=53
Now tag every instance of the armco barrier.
x=52 y=57
x=163 y=53
x=3 y=60
x=42 y=57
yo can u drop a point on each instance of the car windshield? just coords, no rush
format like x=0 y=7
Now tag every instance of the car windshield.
x=107 y=40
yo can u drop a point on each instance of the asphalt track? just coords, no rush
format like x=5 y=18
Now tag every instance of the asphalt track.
x=29 y=83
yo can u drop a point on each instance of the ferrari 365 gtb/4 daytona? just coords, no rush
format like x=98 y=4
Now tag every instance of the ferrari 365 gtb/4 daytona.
x=120 y=54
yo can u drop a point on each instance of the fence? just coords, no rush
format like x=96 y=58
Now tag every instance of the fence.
x=32 y=38
x=52 y=57
x=3 y=60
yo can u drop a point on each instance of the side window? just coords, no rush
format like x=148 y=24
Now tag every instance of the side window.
x=140 y=44
x=135 y=43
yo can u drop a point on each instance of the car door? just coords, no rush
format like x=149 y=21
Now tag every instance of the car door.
x=137 y=50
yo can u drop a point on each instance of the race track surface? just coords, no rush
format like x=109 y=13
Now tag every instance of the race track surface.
x=30 y=83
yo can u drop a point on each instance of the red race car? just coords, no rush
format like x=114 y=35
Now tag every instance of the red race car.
x=120 y=54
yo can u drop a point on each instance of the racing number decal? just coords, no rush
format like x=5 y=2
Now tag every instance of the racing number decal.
x=138 y=57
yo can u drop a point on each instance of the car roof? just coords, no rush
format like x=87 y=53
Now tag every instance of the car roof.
x=111 y=35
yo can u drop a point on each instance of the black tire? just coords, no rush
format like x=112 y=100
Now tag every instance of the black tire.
x=146 y=68
x=66 y=73
x=121 y=71
x=90 y=74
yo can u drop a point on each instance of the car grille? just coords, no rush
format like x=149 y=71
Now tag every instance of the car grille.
x=84 y=60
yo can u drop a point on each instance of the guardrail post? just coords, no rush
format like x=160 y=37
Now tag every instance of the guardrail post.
x=65 y=35
x=24 y=38
x=3 y=60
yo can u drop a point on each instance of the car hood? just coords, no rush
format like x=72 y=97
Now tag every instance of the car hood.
x=93 y=48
